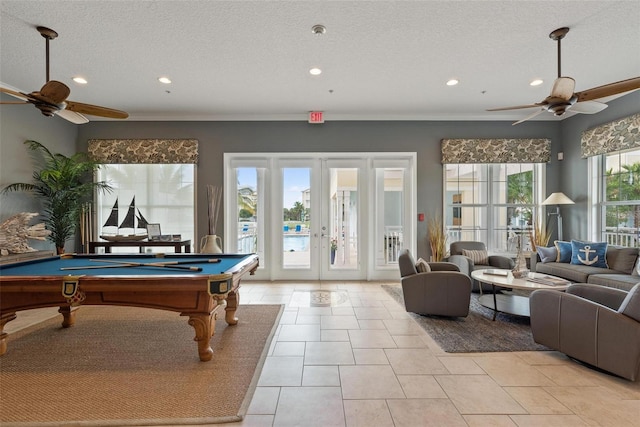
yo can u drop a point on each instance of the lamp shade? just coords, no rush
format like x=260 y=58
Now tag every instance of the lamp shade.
x=558 y=199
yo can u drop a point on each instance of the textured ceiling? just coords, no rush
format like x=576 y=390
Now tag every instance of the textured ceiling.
x=249 y=60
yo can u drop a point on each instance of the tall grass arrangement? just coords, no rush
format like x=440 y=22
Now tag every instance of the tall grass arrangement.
x=437 y=239
x=214 y=201
x=540 y=235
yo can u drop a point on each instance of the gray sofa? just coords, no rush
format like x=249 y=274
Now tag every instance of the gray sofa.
x=594 y=324
x=620 y=274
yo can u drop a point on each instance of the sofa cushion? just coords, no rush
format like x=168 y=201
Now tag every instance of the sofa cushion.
x=593 y=254
x=479 y=257
x=617 y=281
x=564 y=251
x=422 y=266
x=549 y=254
x=572 y=272
x=622 y=259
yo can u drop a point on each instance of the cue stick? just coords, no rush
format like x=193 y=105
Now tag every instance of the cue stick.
x=90 y=267
x=150 y=264
x=194 y=261
x=127 y=265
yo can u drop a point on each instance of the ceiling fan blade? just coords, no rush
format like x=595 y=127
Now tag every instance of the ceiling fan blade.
x=73 y=117
x=588 y=107
x=609 y=89
x=14 y=93
x=518 y=107
x=95 y=110
x=530 y=116
x=563 y=88
x=55 y=91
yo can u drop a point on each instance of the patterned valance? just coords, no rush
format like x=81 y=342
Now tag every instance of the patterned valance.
x=496 y=150
x=618 y=135
x=138 y=151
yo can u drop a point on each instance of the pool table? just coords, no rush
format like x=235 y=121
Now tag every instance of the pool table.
x=194 y=285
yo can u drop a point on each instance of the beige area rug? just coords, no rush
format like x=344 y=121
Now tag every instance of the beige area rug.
x=131 y=366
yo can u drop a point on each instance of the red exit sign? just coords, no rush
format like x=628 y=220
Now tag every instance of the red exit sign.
x=316 y=117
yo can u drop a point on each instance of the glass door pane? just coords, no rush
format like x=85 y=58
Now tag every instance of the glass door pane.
x=247 y=209
x=296 y=218
x=343 y=218
x=390 y=215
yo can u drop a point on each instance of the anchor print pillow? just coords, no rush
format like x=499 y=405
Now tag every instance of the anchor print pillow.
x=593 y=254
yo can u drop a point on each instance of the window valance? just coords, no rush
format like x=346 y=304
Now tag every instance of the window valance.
x=618 y=135
x=496 y=150
x=146 y=151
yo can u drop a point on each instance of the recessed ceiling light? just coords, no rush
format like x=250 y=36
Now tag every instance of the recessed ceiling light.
x=165 y=80
x=452 y=82
x=315 y=71
x=536 y=82
x=80 y=80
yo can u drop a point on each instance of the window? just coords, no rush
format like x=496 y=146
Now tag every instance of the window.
x=163 y=194
x=619 y=198
x=492 y=203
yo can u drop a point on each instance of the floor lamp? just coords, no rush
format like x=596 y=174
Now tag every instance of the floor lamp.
x=557 y=199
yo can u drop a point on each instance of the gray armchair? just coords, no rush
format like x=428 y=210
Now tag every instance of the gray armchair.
x=467 y=265
x=443 y=291
x=594 y=324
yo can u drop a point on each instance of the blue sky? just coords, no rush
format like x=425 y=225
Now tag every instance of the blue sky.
x=295 y=181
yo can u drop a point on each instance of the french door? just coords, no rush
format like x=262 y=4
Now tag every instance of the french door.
x=320 y=217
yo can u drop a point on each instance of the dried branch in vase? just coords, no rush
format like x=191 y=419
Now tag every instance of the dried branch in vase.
x=437 y=239
x=214 y=199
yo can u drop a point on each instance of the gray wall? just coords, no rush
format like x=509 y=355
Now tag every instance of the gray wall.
x=424 y=138
x=20 y=123
x=216 y=138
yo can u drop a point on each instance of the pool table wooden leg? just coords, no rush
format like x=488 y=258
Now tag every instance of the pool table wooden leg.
x=68 y=315
x=204 y=325
x=6 y=318
x=230 y=311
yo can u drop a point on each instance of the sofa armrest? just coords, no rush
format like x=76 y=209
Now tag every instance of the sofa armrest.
x=465 y=265
x=609 y=297
x=533 y=261
x=500 y=261
x=443 y=266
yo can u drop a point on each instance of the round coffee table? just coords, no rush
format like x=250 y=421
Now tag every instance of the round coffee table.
x=513 y=304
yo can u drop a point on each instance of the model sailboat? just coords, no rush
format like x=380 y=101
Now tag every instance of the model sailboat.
x=131 y=221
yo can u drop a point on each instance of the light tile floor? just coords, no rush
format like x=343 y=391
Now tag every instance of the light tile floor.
x=350 y=356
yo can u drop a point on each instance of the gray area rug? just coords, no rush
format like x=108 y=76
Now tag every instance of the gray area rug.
x=476 y=332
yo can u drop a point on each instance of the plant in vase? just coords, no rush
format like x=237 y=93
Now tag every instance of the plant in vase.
x=65 y=186
x=334 y=248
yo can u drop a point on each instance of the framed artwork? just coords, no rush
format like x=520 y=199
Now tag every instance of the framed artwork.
x=153 y=231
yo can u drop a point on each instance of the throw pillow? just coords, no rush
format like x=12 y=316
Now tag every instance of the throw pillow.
x=636 y=268
x=422 y=266
x=564 y=251
x=593 y=254
x=549 y=254
x=479 y=257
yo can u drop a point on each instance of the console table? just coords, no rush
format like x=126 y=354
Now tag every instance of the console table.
x=177 y=245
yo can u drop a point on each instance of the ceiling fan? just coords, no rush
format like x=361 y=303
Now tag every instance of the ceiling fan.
x=562 y=97
x=52 y=100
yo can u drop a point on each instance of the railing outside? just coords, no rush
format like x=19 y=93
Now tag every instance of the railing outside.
x=393 y=242
x=627 y=237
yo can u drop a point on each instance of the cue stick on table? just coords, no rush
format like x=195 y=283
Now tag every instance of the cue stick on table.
x=89 y=267
x=125 y=264
x=163 y=263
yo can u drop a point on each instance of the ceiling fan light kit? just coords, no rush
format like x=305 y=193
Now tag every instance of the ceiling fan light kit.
x=563 y=98
x=52 y=100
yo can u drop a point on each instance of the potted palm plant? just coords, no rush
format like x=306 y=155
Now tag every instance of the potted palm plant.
x=64 y=185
